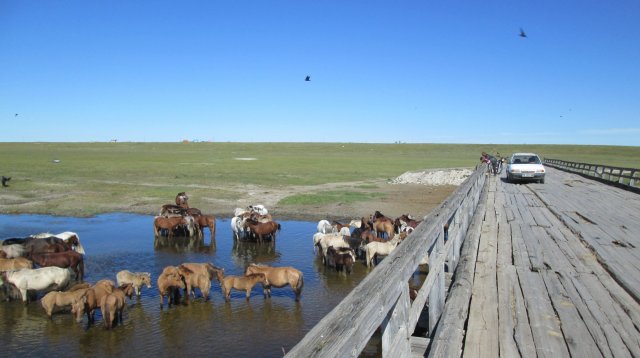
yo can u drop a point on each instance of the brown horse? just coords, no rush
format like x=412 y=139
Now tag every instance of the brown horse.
x=207 y=221
x=341 y=258
x=112 y=304
x=240 y=283
x=169 y=223
x=182 y=199
x=200 y=275
x=279 y=277
x=47 y=244
x=262 y=230
x=65 y=259
x=91 y=300
x=58 y=299
x=170 y=281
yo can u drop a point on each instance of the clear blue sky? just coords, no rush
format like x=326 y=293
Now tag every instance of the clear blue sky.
x=381 y=71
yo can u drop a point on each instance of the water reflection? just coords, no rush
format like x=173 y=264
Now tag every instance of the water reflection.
x=245 y=252
x=181 y=244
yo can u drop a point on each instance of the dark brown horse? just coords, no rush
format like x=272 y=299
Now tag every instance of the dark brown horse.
x=66 y=259
x=47 y=245
x=340 y=258
x=262 y=230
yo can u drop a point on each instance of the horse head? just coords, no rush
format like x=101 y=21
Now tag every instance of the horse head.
x=77 y=307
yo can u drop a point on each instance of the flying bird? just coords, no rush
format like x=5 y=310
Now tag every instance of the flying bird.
x=308 y=78
x=522 y=33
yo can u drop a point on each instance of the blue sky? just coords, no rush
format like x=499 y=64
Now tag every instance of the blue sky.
x=381 y=71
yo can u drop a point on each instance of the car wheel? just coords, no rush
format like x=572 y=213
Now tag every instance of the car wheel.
x=541 y=181
x=508 y=178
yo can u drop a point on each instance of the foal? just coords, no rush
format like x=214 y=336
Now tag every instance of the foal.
x=245 y=283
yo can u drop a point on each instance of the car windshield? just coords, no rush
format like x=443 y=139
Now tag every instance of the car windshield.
x=525 y=159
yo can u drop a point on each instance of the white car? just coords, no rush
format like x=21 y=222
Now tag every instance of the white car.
x=525 y=167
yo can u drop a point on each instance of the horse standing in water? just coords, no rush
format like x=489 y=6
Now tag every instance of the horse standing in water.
x=262 y=230
x=66 y=259
x=242 y=283
x=279 y=277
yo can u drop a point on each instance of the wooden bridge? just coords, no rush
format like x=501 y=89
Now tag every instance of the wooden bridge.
x=535 y=270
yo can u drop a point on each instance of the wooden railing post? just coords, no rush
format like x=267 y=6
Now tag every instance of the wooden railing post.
x=395 y=333
x=437 y=294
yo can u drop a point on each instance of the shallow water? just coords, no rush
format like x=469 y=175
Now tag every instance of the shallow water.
x=257 y=328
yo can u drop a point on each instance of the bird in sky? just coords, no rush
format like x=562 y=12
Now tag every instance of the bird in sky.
x=16 y=115
x=308 y=78
x=522 y=33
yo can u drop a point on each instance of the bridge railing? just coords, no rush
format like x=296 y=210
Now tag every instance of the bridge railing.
x=627 y=177
x=382 y=301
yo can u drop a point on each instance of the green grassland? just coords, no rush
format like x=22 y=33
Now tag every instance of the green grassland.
x=98 y=177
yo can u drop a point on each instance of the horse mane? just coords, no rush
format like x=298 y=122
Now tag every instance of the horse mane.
x=41 y=235
x=258 y=265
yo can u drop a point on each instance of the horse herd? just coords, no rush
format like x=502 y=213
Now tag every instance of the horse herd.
x=340 y=245
x=182 y=220
x=46 y=264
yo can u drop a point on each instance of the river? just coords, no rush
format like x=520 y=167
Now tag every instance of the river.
x=240 y=328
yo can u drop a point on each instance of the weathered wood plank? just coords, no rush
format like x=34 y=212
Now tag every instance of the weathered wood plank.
x=575 y=332
x=545 y=325
x=481 y=340
x=514 y=333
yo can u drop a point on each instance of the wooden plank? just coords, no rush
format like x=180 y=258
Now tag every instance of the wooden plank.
x=594 y=319
x=520 y=254
x=619 y=319
x=481 y=340
x=545 y=326
x=395 y=333
x=514 y=334
x=419 y=346
x=575 y=332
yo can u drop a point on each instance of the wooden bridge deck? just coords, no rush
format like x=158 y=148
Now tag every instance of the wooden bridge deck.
x=553 y=272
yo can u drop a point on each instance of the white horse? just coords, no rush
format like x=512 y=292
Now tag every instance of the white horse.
x=40 y=279
x=13 y=251
x=380 y=248
x=325 y=240
x=137 y=279
x=66 y=236
x=237 y=226
x=325 y=227
x=260 y=209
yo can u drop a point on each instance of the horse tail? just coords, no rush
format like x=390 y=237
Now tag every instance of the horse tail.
x=278 y=226
x=299 y=285
x=106 y=313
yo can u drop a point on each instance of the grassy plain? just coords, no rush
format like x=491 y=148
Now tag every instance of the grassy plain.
x=92 y=178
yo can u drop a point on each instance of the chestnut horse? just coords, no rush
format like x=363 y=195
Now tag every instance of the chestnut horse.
x=66 y=259
x=263 y=229
x=207 y=221
x=171 y=224
x=279 y=277
x=383 y=224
